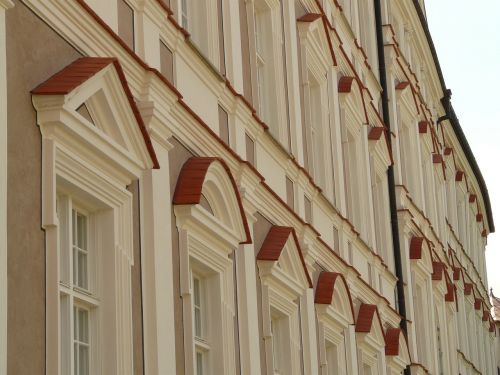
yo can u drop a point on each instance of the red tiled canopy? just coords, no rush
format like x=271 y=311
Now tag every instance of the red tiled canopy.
x=375 y=133
x=81 y=70
x=422 y=127
x=190 y=185
x=309 y=17
x=345 y=84
x=467 y=289
x=437 y=270
x=366 y=314
x=326 y=286
x=402 y=85
x=416 y=247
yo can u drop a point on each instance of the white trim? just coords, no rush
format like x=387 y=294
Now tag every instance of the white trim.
x=157 y=268
x=96 y=164
x=4 y=5
x=204 y=248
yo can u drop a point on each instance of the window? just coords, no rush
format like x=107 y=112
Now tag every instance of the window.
x=201 y=326
x=203 y=20
x=349 y=159
x=126 y=23
x=263 y=70
x=208 y=240
x=336 y=243
x=279 y=328
x=250 y=149
x=78 y=288
x=284 y=282
x=380 y=201
x=307 y=210
x=87 y=209
x=223 y=125
x=290 y=194
x=166 y=62
x=367 y=32
x=332 y=359
x=269 y=89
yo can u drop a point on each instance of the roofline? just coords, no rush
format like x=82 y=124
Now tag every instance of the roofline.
x=455 y=123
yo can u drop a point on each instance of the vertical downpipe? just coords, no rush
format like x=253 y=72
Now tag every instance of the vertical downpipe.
x=390 y=170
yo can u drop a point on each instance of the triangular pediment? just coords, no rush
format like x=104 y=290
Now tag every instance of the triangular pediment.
x=314 y=32
x=280 y=250
x=291 y=264
x=94 y=93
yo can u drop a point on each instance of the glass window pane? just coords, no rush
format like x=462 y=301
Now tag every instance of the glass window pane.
x=197 y=322
x=199 y=363
x=83 y=358
x=73 y=226
x=75 y=265
x=82 y=270
x=83 y=326
x=75 y=323
x=75 y=366
x=196 y=292
x=82 y=231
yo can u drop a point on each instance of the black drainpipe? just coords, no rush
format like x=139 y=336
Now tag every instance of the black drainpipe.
x=390 y=171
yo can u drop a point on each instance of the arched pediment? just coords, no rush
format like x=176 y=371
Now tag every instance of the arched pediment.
x=369 y=325
x=281 y=251
x=332 y=289
x=94 y=100
x=396 y=347
x=349 y=93
x=210 y=179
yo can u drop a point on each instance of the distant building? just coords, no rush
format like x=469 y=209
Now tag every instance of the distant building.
x=236 y=187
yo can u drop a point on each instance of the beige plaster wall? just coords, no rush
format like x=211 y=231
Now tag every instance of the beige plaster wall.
x=35 y=52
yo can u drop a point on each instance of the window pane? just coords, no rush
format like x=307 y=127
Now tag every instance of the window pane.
x=82 y=270
x=75 y=265
x=166 y=62
x=126 y=23
x=83 y=357
x=83 y=326
x=250 y=149
x=75 y=366
x=199 y=363
x=223 y=125
x=197 y=308
x=82 y=231
x=184 y=11
x=73 y=226
x=75 y=323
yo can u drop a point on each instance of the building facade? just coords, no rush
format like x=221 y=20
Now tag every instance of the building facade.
x=236 y=187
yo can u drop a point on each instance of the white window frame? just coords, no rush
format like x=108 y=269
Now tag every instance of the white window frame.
x=200 y=19
x=317 y=72
x=207 y=242
x=371 y=352
x=268 y=84
x=73 y=295
x=335 y=325
x=70 y=144
x=354 y=135
x=285 y=294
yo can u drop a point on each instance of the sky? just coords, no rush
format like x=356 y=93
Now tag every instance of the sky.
x=467 y=39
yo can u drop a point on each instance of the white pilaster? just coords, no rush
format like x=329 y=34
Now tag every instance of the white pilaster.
x=309 y=339
x=4 y=5
x=157 y=281
x=247 y=308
